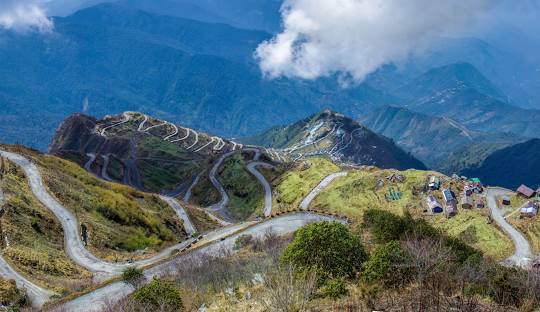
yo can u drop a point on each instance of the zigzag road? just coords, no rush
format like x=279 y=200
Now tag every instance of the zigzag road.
x=72 y=239
x=324 y=184
x=108 y=295
x=38 y=295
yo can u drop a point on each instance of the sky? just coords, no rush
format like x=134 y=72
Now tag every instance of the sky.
x=350 y=38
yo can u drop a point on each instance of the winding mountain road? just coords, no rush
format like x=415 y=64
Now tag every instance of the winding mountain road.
x=217 y=245
x=324 y=184
x=181 y=213
x=38 y=295
x=88 y=165
x=251 y=167
x=221 y=206
x=522 y=254
x=72 y=239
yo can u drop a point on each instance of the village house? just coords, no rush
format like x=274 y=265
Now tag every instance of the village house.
x=450 y=201
x=434 y=183
x=525 y=191
x=466 y=201
x=433 y=204
x=529 y=210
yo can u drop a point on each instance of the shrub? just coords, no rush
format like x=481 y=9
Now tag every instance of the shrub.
x=243 y=241
x=327 y=248
x=385 y=266
x=133 y=276
x=159 y=295
x=335 y=289
x=384 y=226
x=287 y=292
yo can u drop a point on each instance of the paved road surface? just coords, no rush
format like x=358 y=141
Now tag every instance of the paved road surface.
x=221 y=206
x=522 y=254
x=38 y=296
x=88 y=164
x=324 y=183
x=72 y=240
x=181 y=213
x=103 y=297
x=251 y=167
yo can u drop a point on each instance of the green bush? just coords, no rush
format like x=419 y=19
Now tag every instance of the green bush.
x=335 y=289
x=327 y=248
x=384 y=226
x=133 y=276
x=243 y=241
x=159 y=295
x=385 y=266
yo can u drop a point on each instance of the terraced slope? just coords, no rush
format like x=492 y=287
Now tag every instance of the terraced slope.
x=339 y=137
x=144 y=152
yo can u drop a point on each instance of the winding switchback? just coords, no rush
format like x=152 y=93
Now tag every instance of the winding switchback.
x=218 y=245
x=72 y=239
x=324 y=183
x=522 y=253
x=181 y=213
x=251 y=167
x=38 y=295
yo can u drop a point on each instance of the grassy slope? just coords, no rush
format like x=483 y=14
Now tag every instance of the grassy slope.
x=294 y=185
x=36 y=242
x=119 y=219
x=245 y=192
x=200 y=219
x=204 y=193
x=529 y=226
x=355 y=193
x=158 y=174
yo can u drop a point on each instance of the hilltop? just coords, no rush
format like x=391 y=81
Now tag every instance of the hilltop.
x=339 y=137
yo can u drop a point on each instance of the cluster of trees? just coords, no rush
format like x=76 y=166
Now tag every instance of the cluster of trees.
x=410 y=266
x=407 y=254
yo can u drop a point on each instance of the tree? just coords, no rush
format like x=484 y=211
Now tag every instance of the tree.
x=384 y=226
x=386 y=265
x=327 y=248
x=133 y=276
x=159 y=295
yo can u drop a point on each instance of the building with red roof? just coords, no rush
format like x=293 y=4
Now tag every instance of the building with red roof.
x=525 y=191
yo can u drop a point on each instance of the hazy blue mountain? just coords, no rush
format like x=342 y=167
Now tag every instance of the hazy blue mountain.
x=428 y=138
x=460 y=92
x=249 y=14
x=108 y=59
x=511 y=166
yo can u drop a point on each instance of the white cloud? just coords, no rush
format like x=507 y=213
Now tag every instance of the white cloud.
x=22 y=15
x=354 y=37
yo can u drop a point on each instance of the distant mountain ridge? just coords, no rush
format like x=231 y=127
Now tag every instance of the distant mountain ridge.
x=511 y=166
x=429 y=138
x=460 y=92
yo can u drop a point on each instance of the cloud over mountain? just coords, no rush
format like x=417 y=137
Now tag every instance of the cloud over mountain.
x=354 y=37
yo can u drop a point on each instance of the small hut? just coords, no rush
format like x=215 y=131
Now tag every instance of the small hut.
x=434 y=183
x=433 y=204
x=525 y=191
x=451 y=208
x=530 y=210
x=448 y=195
x=466 y=201
x=506 y=200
